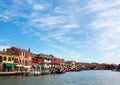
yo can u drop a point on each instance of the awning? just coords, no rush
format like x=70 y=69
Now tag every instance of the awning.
x=44 y=67
x=36 y=66
x=9 y=64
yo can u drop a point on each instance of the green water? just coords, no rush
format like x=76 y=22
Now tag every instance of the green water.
x=69 y=78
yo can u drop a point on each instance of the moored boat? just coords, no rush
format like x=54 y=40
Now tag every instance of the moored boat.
x=60 y=71
x=34 y=73
x=45 y=72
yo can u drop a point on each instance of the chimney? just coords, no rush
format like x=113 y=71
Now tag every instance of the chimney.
x=8 y=49
x=3 y=50
x=29 y=50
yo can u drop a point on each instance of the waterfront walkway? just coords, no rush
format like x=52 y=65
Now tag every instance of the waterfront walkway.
x=12 y=73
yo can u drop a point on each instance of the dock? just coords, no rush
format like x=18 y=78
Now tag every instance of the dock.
x=7 y=73
x=13 y=73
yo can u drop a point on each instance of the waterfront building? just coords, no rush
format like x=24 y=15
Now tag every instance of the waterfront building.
x=55 y=62
x=118 y=67
x=47 y=61
x=78 y=66
x=43 y=60
x=85 y=66
x=70 y=65
x=38 y=60
x=62 y=63
x=6 y=61
x=22 y=58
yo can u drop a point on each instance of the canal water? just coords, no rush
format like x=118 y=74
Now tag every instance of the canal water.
x=69 y=78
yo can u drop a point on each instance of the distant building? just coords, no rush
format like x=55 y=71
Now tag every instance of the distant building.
x=70 y=65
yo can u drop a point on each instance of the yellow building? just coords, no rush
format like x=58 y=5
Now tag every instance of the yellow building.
x=6 y=61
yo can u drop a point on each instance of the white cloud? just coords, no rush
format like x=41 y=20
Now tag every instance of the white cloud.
x=4 y=47
x=68 y=53
x=67 y=23
x=39 y=7
x=30 y=1
x=102 y=5
x=60 y=10
x=47 y=22
x=71 y=26
x=106 y=24
x=4 y=18
x=4 y=40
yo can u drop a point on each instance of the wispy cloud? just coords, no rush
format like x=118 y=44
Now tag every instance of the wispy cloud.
x=106 y=24
x=41 y=15
x=38 y=7
x=69 y=54
x=71 y=26
x=4 y=47
x=52 y=23
x=3 y=40
x=4 y=43
x=92 y=26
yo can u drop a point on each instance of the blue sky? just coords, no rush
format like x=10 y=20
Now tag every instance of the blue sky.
x=79 y=30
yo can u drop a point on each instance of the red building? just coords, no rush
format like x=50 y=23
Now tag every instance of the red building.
x=38 y=59
x=55 y=62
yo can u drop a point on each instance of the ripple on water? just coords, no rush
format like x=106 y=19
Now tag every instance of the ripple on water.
x=69 y=78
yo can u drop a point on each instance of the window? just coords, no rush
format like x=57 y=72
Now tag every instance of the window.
x=16 y=60
x=48 y=59
x=23 y=54
x=20 y=61
x=26 y=62
x=26 y=55
x=4 y=58
x=0 y=58
x=9 y=59
x=12 y=58
x=23 y=61
x=20 y=53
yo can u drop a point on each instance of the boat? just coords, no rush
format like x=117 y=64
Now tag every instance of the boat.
x=36 y=70
x=45 y=72
x=59 y=71
x=34 y=73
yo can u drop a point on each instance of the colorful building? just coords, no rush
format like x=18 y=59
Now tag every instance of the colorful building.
x=22 y=58
x=43 y=60
x=6 y=61
x=56 y=62
x=47 y=61
x=38 y=59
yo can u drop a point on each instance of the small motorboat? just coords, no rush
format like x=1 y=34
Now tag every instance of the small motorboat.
x=34 y=73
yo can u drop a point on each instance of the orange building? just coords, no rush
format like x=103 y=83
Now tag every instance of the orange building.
x=22 y=59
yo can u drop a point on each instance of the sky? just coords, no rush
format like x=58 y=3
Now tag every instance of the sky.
x=79 y=30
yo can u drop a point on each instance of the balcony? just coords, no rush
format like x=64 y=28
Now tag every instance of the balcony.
x=47 y=61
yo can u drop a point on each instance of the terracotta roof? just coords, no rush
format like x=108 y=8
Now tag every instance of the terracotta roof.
x=1 y=52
